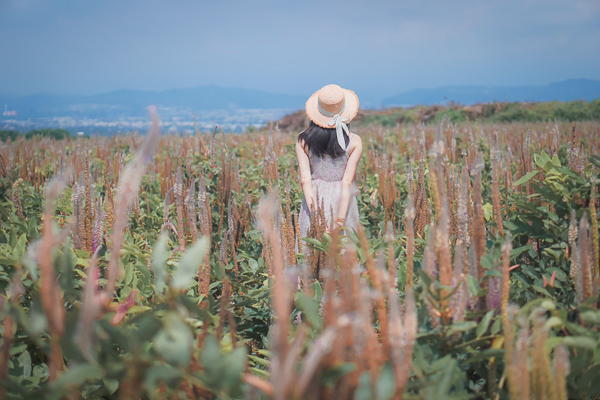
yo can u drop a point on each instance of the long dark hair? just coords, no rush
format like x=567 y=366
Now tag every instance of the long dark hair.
x=322 y=141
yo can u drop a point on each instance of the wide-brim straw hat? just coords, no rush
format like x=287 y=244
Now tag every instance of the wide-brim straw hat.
x=329 y=101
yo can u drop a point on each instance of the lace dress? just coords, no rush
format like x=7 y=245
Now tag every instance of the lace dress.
x=327 y=174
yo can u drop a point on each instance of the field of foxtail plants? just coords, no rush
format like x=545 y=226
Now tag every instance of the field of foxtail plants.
x=166 y=266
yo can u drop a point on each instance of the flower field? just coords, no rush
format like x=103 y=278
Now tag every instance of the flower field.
x=166 y=266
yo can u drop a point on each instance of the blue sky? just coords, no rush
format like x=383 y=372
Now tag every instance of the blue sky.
x=86 y=47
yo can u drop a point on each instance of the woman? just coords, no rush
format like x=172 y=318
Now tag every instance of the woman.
x=328 y=155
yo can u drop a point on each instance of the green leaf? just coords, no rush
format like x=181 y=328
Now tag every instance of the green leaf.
x=488 y=211
x=160 y=254
x=487 y=261
x=462 y=327
x=386 y=386
x=128 y=274
x=187 y=269
x=174 y=341
x=519 y=250
x=260 y=373
x=158 y=373
x=472 y=285
x=483 y=355
x=309 y=308
x=581 y=342
x=25 y=359
x=591 y=317
x=76 y=376
x=485 y=322
x=19 y=248
x=234 y=365
x=332 y=375
x=525 y=178
x=363 y=392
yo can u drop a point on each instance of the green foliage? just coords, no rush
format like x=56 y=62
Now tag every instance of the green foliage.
x=548 y=111
x=171 y=338
x=53 y=133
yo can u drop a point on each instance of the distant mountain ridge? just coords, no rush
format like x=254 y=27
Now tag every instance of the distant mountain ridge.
x=133 y=103
x=235 y=109
x=569 y=90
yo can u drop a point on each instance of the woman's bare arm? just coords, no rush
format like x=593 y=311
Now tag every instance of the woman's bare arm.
x=305 y=176
x=349 y=175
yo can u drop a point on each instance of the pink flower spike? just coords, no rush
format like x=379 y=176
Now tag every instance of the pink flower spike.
x=553 y=278
x=514 y=267
x=545 y=281
x=121 y=308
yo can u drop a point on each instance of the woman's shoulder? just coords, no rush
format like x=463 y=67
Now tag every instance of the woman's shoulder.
x=355 y=139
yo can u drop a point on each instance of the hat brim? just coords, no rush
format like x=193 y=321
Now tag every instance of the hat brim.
x=350 y=110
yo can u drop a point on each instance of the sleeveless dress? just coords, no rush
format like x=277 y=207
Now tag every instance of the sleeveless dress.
x=327 y=174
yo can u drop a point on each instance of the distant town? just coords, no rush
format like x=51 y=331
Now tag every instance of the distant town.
x=173 y=120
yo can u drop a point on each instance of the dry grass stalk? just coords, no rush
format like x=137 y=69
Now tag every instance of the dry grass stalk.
x=409 y=219
x=422 y=213
x=178 y=191
x=521 y=362
x=15 y=291
x=442 y=242
x=91 y=308
x=129 y=183
x=458 y=302
x=16 y=196
x=288 y=223
x=50 y=290
x=403 y=329
x=89 y=213
x=576 y=272
x=595 y=239
x=206 y=230
x=452 y=200
x=98 y=228
x=583 y=245
x=479 y=223
x=541 y=375
x=392 y=266
x=81 y=210
x=376 y=280
x=508 y=323
x=429 y=267
x=280 y=301
x=225 y=300
x=190 y=204
x=561 y=370
x=495 y=158
x=387 y=190
x=109 y=203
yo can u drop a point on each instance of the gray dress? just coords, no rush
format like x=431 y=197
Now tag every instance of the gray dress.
x=327 y=174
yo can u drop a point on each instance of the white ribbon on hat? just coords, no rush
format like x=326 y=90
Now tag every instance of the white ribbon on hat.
x=339 y=122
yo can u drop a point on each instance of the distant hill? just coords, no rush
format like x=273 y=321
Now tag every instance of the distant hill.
x=569 y=90
x=133 y=103
x=235 y=109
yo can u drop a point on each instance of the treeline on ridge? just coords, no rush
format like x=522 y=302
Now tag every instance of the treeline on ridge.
x=47 y=132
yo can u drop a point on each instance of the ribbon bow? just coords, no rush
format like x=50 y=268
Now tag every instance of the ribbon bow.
x=339 y=122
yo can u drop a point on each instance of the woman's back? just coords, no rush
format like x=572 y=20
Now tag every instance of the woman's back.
x=327 y=159
x=328 y=169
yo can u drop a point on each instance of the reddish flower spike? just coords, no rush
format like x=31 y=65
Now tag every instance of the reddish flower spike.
x=121 y=308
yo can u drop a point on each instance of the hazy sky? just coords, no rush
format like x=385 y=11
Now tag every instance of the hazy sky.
x=79 y=46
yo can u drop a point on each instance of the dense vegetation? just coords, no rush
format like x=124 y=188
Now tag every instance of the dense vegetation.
x=491 y=113
x=170 y=267
x=54 y=133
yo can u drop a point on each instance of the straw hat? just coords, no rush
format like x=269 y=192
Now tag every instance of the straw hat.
x=333 y=107
x=330 y=101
